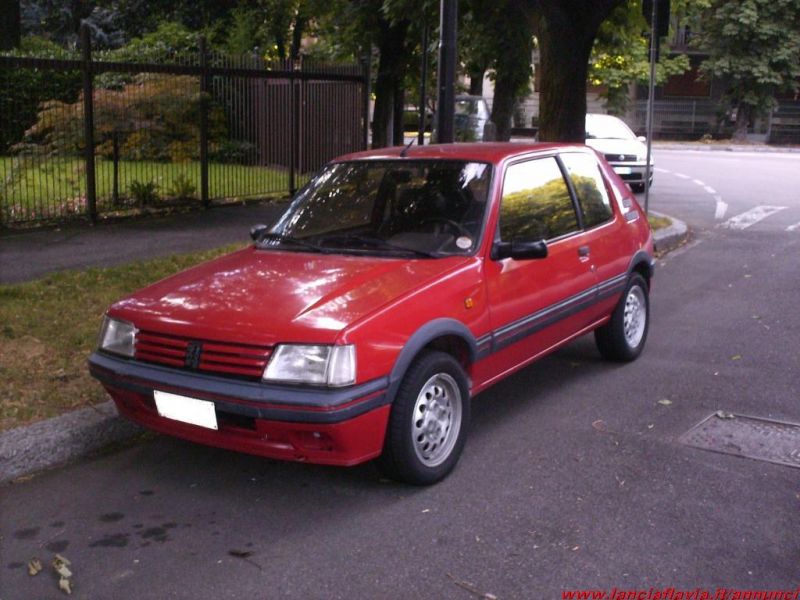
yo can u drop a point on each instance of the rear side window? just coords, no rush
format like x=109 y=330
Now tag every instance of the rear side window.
x=589 y=186
x=536 y=204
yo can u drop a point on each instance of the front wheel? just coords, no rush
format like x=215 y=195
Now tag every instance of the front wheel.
x=623 y=337
x=428 y=422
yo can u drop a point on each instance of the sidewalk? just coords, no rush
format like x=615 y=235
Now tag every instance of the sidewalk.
x=26 y=255
x=723 y=146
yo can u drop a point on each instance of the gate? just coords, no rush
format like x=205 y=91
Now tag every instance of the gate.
x=87 y=136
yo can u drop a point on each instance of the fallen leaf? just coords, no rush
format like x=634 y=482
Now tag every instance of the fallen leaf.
x=665 y=402
x=721 y=414
x=426 y=510
x=34 y=566
x=600 y=425
x=61 y=559
x=736 y=357
x=650 y=426
x=65 y=586
x=240 y=553
x=63 y=571
x=574 y=548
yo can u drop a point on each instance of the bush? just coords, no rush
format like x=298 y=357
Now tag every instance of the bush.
x=22 y=91
x=144 y=192
x=154 y=118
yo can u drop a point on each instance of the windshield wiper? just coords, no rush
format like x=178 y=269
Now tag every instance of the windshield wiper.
x=379 y=243
x=287 y=239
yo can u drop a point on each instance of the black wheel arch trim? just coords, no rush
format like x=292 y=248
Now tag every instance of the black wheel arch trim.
x=425 y=335
x=642 y=257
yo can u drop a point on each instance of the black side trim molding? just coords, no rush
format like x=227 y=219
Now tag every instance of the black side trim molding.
x=282 y=403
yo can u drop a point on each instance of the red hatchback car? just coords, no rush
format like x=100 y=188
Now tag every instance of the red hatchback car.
x=396 y=285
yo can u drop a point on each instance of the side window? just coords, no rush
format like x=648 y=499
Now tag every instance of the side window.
x=536 y=204
x=589 y=186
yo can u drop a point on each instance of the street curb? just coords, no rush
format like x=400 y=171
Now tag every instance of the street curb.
x=701 y=147
x=82 y=432
x=61 y=439
x=669 y=238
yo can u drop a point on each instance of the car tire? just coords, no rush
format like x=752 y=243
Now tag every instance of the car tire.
x=622 y=339
x=428 y=422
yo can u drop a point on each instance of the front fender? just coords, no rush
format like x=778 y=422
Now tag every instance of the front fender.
x=421 y=338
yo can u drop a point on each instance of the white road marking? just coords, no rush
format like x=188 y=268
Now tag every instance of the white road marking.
x=660 y=170
x=698 y=182
x=722 y=208
x=710 y=190
x=682 y=176
x=795 y=227
x=751 y=217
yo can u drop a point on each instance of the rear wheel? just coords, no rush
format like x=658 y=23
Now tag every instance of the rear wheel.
x=623 y=337
x=428 y=422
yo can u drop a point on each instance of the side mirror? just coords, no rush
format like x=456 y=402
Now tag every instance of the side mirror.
x=519 y=250
x=642 y=139
x=256 y=231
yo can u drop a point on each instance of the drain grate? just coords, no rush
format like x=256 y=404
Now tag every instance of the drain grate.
x=752 y=437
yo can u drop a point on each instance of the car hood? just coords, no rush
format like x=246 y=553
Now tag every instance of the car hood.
x=615 y=146
x=264 y=297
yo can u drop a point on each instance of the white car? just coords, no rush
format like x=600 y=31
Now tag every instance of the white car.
x=626 y=153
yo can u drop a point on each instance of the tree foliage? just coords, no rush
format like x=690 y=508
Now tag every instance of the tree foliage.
x=754 y=47
x=23 y=90
x=620 y=57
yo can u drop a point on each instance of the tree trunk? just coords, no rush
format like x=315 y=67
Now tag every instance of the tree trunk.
x=476 y=81
x=297 y=35
x=744 y=112
x=566 y=33
x=399 y=106
x=9 y=24
x=388 y=82
x=503 y=106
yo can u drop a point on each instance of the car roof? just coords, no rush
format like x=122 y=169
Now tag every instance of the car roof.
x=491 y=152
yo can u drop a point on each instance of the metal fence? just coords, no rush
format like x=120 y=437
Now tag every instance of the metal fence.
x=86 y=136
x=677 y=118
x=690 y=119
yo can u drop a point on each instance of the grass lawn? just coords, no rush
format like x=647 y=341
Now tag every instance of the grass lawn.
x=48 y=328
x=657 y=223
x=32 y=187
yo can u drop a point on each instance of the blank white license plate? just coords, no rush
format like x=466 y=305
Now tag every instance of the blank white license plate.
x=186 y=410
x=623 y=170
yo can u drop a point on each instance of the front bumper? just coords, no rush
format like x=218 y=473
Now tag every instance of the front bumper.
x=632 y=172
x=326 y=426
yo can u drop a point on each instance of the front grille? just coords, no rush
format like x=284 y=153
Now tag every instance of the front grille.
x=215 y=357
x=620 y=157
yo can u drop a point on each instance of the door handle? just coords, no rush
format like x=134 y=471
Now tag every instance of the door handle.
x=583 y=251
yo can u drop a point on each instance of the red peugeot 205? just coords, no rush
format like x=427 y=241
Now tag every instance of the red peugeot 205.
x=396 y=285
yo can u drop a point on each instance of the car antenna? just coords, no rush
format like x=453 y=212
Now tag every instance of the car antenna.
x=407 y=148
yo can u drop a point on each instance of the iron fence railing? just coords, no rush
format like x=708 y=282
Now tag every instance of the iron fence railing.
x=95 y=137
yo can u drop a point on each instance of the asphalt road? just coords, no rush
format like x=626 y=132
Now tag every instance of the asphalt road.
x=573 y=475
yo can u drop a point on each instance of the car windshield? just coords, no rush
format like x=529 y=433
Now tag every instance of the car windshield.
x=604 y=127
x=388 y=207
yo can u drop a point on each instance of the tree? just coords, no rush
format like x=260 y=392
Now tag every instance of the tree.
x=621 y=57
x=754 y=47
x=499 y=37
x=9 y=24
x=566 y=32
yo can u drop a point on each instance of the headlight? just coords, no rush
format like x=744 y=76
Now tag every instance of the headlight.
x=322 y=365
x=117 y=336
